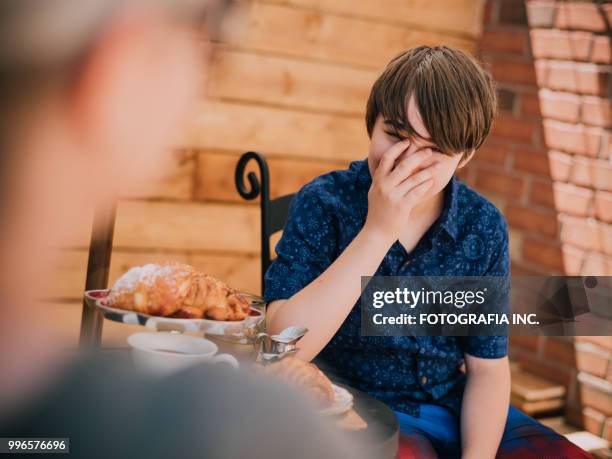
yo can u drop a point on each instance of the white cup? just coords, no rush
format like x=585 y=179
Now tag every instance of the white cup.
x=164 y=353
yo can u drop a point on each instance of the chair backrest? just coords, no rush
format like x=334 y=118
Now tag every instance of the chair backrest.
x=98 y=266
x=273 y=211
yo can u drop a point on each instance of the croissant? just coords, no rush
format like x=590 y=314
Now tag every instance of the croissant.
x=303 y=375
x=177 y=290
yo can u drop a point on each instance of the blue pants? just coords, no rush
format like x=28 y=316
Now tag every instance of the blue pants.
x=523 y=437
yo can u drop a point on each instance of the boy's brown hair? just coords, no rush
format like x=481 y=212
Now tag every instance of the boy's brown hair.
x=454 y=94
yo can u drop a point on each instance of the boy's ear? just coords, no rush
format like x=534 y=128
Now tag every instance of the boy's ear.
x=466 y=159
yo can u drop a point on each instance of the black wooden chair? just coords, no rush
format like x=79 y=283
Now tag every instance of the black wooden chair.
x=273 y=211
x=273 y=217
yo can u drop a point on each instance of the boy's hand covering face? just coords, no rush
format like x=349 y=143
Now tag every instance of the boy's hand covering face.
x=397 y=186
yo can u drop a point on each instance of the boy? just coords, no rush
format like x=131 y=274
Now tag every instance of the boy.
x=402 y=212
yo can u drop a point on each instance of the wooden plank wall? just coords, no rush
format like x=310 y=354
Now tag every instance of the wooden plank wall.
x=291 y=81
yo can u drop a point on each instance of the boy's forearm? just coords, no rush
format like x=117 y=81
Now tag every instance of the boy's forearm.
x=324 y=304
x=484 y=411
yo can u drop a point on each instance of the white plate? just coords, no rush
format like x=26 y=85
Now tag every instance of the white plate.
x=343 y=402
x=216 y=327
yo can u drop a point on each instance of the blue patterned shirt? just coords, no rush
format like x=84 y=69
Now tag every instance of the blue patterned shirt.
x=469 y=238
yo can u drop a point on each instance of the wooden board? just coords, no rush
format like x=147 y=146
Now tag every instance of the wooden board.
x=190 y=226
x=540 y=406
x=461 y=17
x=215 y=175
x=331 y=37
x=276 y=131
x=290 y=82
x=529 y=387
x=174 y=182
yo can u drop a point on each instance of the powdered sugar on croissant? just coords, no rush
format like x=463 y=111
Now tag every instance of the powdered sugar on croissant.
x=177 y=290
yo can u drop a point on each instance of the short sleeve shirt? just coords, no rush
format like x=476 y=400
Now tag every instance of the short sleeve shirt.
x=469 y=238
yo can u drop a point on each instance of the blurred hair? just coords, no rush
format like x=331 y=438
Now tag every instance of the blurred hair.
x=455 y=96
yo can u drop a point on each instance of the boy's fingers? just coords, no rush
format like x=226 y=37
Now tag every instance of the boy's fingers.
x=418 y=191
x=388 y=158
x=404 y=187
x=407 y=166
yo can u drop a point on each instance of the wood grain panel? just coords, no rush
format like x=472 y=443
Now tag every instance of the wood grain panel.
x=215 y=175
x=327 y=37
x=187 y=226
x=275 y=131
x=290 y=82
x=461 y=17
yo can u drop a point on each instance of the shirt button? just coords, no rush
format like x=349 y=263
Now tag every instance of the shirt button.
x=424 y=380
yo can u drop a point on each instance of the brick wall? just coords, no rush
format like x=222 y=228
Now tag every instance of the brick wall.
x=547 y=165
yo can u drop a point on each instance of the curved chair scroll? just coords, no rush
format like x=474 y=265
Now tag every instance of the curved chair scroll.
x=273 y=212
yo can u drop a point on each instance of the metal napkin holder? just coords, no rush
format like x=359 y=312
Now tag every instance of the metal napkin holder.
x=272 y=348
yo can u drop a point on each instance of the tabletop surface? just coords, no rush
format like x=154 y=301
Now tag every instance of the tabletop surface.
x=382 y=432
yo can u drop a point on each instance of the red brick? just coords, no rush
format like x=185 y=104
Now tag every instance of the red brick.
x=540 y=13
x=541 y=194
x=594 y=396
x=592 y=359
x=488 y=15
x=596 y=111
x=512 y=12
x=513 y=128
x=546 y=369
x=561 y=76
x=561 y=44
x=550 y=43
x=607 y=429
x=605 y=237
x=593 y=420
x=603 y=205
x=513 y=71
x=601 y=52
x=530 y=104
x=604 y=342
x=573 y=258
x=492 y=153
x=607 y=11
x=560 y=165
x=594 y=138
x=504 y=41
x=572 y=199
x=506 y=99
x=545 y=254
x=581 y=173
x=563 y=136
x=560 y=351
x=533 y=162
x=532 y=220
x=602 y=174
x=592 y=79
x=501 y=183
x=580 y=232
x=542 y=72
x=580 y=45
x=560 y=106
x=527 y=342
x=519 y=269
x=596 y=264
x=581 y=16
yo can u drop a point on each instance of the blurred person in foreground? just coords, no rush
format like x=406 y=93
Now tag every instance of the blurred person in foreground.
x=92 y=95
